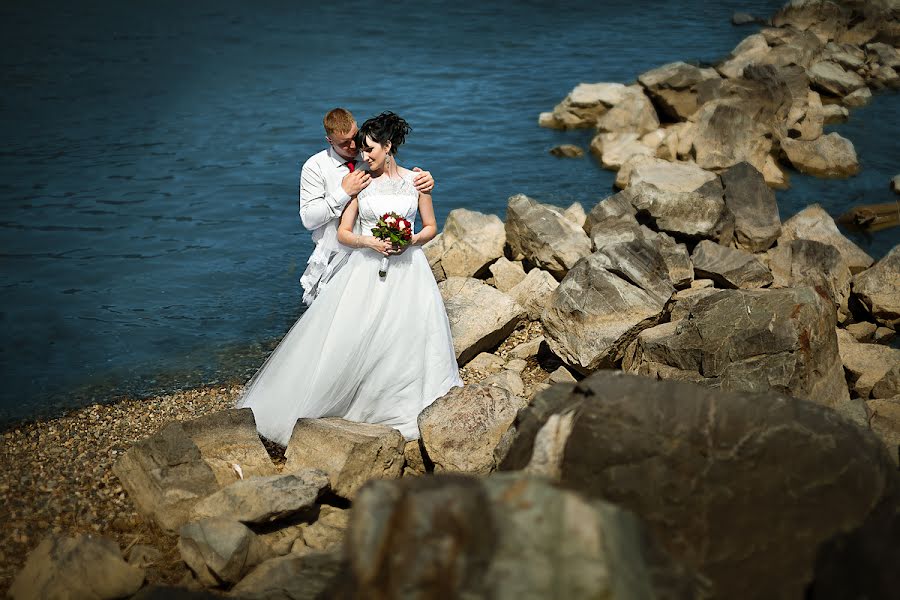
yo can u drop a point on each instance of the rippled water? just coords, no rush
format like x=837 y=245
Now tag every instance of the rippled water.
x=150 y=237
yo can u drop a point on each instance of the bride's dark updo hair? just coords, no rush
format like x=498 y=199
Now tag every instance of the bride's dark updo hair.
x=386 y=127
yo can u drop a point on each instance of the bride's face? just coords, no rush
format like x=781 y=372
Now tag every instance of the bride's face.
x=374 y=153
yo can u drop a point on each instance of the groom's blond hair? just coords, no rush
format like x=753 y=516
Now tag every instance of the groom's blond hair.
x=338 y=120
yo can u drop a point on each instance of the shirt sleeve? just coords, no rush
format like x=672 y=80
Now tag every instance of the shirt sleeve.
x=317 y=206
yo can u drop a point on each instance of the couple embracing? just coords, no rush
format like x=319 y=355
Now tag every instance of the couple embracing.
x=373 y=346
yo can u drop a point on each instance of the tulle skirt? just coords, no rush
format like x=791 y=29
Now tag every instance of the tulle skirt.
x=370 y=349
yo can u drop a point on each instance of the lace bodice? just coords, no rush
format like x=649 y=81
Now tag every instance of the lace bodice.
x=384 y=195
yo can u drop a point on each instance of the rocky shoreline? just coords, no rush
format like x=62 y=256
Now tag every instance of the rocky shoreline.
x=672 y=393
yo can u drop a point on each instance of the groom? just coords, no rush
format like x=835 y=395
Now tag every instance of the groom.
x=327 y=181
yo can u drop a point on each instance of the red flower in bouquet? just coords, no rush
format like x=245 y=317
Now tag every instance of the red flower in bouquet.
x=392 y=228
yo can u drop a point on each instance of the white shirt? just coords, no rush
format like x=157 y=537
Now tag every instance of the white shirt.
x=322 y=200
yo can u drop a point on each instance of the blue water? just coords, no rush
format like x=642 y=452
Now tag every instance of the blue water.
x=150 y=238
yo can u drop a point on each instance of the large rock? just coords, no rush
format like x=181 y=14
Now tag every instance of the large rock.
x=818 y=265
x=544 y=236
x=878 y=289
x=672 y=87
x=167 y=473
x=311 y=576
x=810 y=120
x=885 y=423
x=615 y=149
x=866 y=364
x=164 y=475
x=227 y=438
x=814 y=223
x=505 y=537
x=684 y=215
x=753 y=340
x=833 y=79
x=83 y=566
x=827 y=156
x=264 y=499
x=752 y=50
x=507 y=274
x=327 y=532
x=469 y=243
x=220 y=551
x=726 y=136
x=729 y=267
x=823 y=18
x=584 y=105
x=756 y=221
x=633 y=113
x=350 y=453
x=461 y=429
x=748 y=489
x=480 y=316
x=641 y=263
x=594 y=314
x=670 y=177
x=533 y=292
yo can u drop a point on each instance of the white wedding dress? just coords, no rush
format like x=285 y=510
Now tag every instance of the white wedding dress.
x=369 y=349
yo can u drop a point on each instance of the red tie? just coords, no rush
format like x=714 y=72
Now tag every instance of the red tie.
x=350 y=165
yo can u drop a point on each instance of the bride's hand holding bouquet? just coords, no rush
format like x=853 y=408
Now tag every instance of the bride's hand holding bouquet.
x=396 y=231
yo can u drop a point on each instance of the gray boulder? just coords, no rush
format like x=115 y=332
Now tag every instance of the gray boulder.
x=461 y=429
x=726 y=136
x=533 y=292
x=695 y=215
x=544 y=236
x=878 y=289
x=350 y=453
x=866 y=364
x=469 y=243
x=831 y=78
x=480 y=316
x=83 y=566
x=640 y=263
x=748 y=489
x=164 y=475
x=814 y=223
x=264 y=499
x=812 y=263
x=220 y=551
x=512 y=537
x=507 y=274
x=753 y=340
x=830 y=155
x=729 y=267
x=615 y=149
x=584 y=105
x=669 y=176
x=826 y=19
x=633 y=113
x=672 y=87
x=327 y=532
x=594 y=314
x=227 y=438
x=756 y=221
x=312 y=576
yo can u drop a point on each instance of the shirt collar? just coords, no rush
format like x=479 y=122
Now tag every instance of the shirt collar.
x=338 y=159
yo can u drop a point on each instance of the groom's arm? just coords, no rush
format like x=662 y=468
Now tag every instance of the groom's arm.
x=317 y=206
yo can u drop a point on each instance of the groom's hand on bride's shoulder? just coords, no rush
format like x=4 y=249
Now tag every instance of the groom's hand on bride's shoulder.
x=355 y=182
x=423 y=181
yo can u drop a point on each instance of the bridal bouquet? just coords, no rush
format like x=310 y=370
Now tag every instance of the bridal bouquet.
x=395 y=229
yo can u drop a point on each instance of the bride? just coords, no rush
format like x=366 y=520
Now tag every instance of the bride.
x=371 y=349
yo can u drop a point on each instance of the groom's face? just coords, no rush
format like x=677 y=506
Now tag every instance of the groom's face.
x=345 y=143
